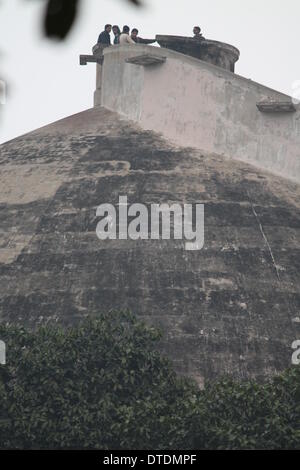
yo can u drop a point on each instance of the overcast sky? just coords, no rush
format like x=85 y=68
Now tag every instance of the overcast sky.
x=44 y=79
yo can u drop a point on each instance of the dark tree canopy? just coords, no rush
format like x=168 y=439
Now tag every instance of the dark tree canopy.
x=103 y=384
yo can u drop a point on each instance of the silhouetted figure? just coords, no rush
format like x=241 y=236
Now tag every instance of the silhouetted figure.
x=104 y=37
x=117 y=32
x=197 y=33
x=138 y=40
x=103 y=40
x=125 y=38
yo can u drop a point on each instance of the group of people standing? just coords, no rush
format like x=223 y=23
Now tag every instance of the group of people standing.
x=127 y=37
x=124 y=37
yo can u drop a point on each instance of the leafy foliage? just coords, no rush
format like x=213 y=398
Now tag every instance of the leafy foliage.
x=103 y=384
x=248 y=415
x=60 y=16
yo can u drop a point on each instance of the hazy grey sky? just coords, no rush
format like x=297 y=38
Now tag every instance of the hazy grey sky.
x=46 y=82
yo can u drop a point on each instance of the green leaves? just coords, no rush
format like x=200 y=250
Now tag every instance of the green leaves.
x=250 y=415
x=103 y=384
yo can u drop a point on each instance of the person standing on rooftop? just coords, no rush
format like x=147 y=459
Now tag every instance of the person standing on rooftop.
x=197 y=33
x=139 y=40
x=103 y=40
x=117 y=32
x=125 y=38
x=104 y=37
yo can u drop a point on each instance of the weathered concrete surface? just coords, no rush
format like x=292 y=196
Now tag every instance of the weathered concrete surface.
x=197 y=104
x=215 y=52
x=229 y=308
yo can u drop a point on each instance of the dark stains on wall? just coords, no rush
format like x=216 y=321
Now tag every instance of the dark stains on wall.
x=231 y=307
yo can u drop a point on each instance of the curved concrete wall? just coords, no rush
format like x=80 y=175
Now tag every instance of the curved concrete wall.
x=197 y=104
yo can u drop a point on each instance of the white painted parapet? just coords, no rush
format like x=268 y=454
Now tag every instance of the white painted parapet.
x=197 y=104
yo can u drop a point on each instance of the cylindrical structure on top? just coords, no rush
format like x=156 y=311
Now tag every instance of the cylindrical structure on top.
x=217 y=53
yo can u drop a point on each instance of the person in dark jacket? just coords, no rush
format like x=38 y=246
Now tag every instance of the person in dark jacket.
x=104 y=37
x=103 y=41
x=197 y=33
x=117 y=32
x=138 y=40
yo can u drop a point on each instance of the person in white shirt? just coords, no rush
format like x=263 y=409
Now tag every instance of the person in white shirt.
x=125 y=38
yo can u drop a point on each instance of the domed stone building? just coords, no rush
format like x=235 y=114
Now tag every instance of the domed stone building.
x=232 y=307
